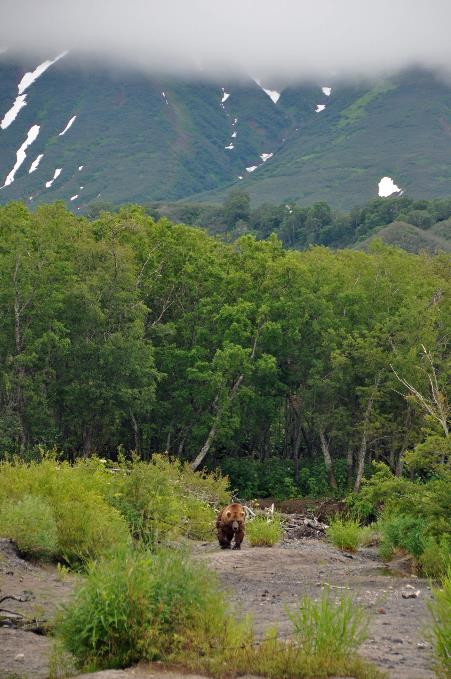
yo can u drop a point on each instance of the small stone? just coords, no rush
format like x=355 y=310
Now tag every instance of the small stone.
x=421 y=644
x=381 y=611
x=348 y=556
x=410 y=587
x=19 y=656
x=411 y=594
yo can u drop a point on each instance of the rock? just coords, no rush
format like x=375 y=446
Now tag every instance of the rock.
x=421 y=644
x=382 y=611
x=410 y=594
x=19 y=656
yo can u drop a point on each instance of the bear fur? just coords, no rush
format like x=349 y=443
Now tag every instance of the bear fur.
x=230 y=525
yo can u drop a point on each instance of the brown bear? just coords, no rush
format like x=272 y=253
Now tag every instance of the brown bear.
x=230 y=525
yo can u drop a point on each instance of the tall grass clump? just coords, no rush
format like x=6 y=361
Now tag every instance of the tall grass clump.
x=347 y=534
x=441 y=629
x=145 y=606
x=87 y=526
x=329 y=628
x=31 y=524
x=264 y=531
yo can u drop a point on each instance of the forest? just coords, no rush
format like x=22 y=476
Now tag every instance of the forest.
x=289 y=370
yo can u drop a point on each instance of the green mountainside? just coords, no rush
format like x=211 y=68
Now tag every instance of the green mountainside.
x=142 y=139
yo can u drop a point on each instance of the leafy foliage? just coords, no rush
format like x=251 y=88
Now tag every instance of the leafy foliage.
x=31 y=524
x=264 y=531
x=80 y=512
x=441 y=628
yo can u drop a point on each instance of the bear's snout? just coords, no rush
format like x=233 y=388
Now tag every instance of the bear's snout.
x=235 y=526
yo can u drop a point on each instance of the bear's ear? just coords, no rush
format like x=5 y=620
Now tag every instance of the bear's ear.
x=228 y=514
x=243 y=514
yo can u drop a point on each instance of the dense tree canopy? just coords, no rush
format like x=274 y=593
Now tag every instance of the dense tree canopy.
x=124 y=331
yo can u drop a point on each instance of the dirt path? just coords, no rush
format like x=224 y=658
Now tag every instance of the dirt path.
x=261 y=581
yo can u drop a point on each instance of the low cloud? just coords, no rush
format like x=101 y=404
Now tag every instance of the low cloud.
x=278 y=40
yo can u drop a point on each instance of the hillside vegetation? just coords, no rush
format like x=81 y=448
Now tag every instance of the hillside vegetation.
x=140 y=139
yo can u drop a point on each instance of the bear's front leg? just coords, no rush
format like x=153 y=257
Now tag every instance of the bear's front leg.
x=224 y=543
x=239 y=536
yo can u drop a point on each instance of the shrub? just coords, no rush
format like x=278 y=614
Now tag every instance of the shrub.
x=436 y=557
x=346 y=534
x=143 y=606
x=329 y=628
x=163 y=499
x=264 y=531
x=403 y=531
x=31 y=524
x=441 y=628
x=86 y=525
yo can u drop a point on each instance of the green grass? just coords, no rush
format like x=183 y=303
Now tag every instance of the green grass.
x=92 y=510
x=328 y=627
x=441 y=629
x=347 y=534
x=31 y=524
x=263 y=531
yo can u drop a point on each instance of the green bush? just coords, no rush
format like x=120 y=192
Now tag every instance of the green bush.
x=347 y=534
x=163 y=499
x=264 y=531
x=329 y=628
x=405 y=532
x=87 y=526
x=441 y=628
x=436 y=557
x=414 y=516
x=145 y=606
x=31 y=524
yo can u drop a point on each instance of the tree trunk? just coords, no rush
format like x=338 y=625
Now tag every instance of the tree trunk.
x=135 y=432
x=362 y=450
x=349 y=466
x=327 y=459
x=206 y=447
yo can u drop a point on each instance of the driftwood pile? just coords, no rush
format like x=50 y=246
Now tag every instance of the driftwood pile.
x=296 y=526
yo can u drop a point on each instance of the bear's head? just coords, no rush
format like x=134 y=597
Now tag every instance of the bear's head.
x=235 y=516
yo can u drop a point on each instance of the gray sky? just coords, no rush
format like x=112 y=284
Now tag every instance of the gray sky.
x=276 y=40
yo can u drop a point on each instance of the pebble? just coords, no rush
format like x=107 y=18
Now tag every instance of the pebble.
x=19 y=656
x=411 y=594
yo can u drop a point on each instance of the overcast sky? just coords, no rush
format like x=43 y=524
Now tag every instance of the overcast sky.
x=277 y=40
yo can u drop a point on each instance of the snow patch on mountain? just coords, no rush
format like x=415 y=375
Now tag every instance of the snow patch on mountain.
x=74 y=197
x=56 y=174
x=326 y=90
x=387 y=186
x=80 y=167
x=274 y=95
x=266 y=156
x=27 y=80
x=163 y=94
x=319 y=108
x=30 y=77
x=225 y=95
x=35 y=163
x=234 y=134
x=69 y=124
x=229 y=147
x=11 y=115
x=252 y=168
x=21 y=153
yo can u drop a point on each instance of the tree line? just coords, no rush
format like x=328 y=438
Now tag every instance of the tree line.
x=122 y=332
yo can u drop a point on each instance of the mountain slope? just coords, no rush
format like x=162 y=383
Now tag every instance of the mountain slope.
x=141 y=139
